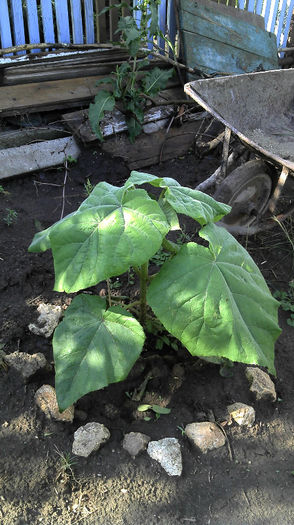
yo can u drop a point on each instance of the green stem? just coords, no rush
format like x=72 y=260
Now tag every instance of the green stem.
x=170 y=246
x=143 y=292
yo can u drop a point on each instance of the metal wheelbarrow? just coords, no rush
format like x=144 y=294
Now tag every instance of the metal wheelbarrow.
x=259 y=109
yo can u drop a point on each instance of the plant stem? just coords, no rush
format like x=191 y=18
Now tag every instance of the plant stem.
x=143 y=292
x=170 y=246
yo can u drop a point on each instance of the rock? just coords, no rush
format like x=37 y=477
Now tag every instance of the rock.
x=47 y=321
x=261 y=384
x=46 y=400
x=243 y=414
x=135 y=442
x=26 y=364
x=89 y=438
x=205 y=435
x=167 y=452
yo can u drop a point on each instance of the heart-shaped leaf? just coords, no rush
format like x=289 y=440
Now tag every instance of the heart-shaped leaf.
x=112 y=230
x=216 y=302
x=93 y=347
x=201 y=207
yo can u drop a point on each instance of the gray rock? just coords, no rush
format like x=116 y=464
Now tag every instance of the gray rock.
x=47 y=321
x=206 y=435
x=167 y=452
x=89 y=438
x=26 y=364
x=135 y=442
x=46 y=400
x=243 y=414
x=261 y=384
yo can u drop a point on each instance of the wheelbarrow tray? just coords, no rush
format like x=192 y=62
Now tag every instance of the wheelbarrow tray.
x=257 y=107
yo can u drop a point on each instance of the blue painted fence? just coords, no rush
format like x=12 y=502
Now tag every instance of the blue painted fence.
x=77 y=21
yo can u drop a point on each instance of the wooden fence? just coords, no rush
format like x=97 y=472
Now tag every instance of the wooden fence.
x=77 y=21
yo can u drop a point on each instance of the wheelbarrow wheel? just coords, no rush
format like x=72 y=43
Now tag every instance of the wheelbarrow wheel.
x=247 y=189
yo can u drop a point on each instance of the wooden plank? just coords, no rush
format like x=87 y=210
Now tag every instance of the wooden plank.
x=33 y=157
x=113 y=122
x=287 y=25
x=18 y=24
x=47 y=21
x=113 y=20
x=19 y=137
x=5 y=31
x=162 y=22
x=171 y=24
x=218 y=42
x=62 y=22
x=89 y=21
x=33 y=23
x=45 y=96
x=152 y=149
x=76 y=21
x=100 y=21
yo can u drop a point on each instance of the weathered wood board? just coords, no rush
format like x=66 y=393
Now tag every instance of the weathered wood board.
x=221 y=40
x=33 y=157
x=19 y=137
x=155 y=148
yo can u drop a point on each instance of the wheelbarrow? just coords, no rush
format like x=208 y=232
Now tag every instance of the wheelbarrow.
x=259 y=109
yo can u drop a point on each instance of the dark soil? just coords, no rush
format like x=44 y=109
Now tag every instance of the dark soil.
x=247 y=482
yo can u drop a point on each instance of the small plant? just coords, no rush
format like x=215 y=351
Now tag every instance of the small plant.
x=66 y=464
x=128 y=86
x=212 y=298
x=162 y=337
x=71 y=160
x=88 y=187
x=287 y=301
x=10 y=217
x=157 y=409
x=3 y=191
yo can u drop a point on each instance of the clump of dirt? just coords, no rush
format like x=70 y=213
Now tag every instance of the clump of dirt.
x=247 y=481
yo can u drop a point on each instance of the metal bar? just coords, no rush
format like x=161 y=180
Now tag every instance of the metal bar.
x=171 y=24
x=278 y=189
x=18 y=24
x=62 y=21
x=76 y=21
x=33 y=23
x=162 y=23
x=89 y=21
x=5 y=30
x=47 y=21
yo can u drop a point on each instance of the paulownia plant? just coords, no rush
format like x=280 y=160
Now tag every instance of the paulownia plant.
x=211 y=297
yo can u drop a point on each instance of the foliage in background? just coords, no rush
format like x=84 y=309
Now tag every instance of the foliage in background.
x=212 y=297
x=127 y=87
x=287 y=301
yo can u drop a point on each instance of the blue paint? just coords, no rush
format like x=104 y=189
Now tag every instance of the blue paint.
x=89 y=21
x=267 y=13
x=18 y=24
x=258 y=9
x=274 y=17
x=33 y=23
x=5 y=31
x=287 y=26
x=62 y=21
x=241 y=4
x=76 y=20
x=47 y=21
x=250 y=7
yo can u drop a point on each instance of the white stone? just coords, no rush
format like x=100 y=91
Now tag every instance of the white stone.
x=26 y=364
x=45 y=398
x=261 y=384
x=243 y=414
x=167 y=452
x=135 y=442
x=47 y=321
x=89 y=438
x=206 y=435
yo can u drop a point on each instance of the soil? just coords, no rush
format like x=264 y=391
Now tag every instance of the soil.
x=247 y=482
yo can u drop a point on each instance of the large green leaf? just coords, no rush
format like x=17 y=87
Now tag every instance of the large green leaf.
x=112 y=230
x=193 y=203
x=155 y=80
x=104 y=101
x=93 y=347
x=216 y=302
x=41 y=240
